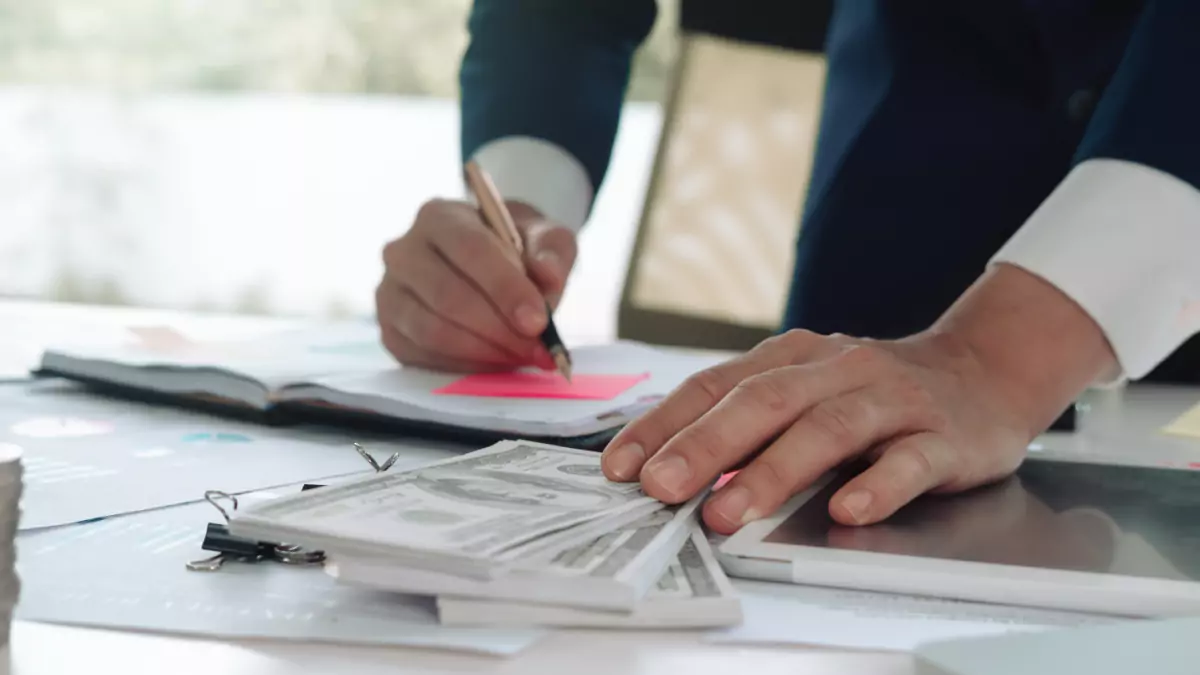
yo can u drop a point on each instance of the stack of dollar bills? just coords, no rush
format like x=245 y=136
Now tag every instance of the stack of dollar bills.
x=518 y=533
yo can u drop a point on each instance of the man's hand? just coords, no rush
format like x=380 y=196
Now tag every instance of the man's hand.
x=800 y=404
x=453 y=298
x=948 y=409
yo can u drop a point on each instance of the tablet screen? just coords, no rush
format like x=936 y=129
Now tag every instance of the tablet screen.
x=1133 y=521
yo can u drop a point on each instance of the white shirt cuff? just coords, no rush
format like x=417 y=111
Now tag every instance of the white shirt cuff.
x=1121 y=240
x=541 y=174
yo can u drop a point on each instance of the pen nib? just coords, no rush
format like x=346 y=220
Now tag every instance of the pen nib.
x=562 y=362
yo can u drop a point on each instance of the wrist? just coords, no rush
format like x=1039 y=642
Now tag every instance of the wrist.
x=1028 y=343
x=538 y=172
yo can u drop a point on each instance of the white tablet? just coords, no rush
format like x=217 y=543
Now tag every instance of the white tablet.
x=1066 y=535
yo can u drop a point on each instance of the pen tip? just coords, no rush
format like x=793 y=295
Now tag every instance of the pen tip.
x=562 y=363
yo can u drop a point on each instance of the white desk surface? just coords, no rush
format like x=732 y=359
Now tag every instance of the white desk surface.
x=45 y=650
x=1116 y=425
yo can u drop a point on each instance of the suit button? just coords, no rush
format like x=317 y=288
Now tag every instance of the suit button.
x=1080 y=105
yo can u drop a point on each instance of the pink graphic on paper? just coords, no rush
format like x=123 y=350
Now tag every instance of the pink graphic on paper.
x=542 y=385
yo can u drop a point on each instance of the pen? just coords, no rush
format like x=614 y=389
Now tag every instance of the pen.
x=496 y=215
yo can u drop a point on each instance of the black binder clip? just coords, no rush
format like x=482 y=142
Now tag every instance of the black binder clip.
x=228 y=547
x=239 y=549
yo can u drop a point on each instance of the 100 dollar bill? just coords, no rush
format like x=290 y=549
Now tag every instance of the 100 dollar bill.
x=612 y=570
x=471 y=508
x=693 y=593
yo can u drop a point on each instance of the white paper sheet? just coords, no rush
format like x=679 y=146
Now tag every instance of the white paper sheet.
x=89 y=457
x=30 y=327
x=793 y=614
x=129 y=572
x=414 y=388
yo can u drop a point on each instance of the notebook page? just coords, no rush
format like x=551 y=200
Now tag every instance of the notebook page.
x=283 y=358
x=410 y=390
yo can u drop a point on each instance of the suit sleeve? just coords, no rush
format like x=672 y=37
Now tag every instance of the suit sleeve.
x=543 y=83
x=1121 y=234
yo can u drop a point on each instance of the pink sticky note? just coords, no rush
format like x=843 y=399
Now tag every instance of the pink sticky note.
x=524 y=384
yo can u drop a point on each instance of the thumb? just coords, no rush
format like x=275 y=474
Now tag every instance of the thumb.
x=550 y=252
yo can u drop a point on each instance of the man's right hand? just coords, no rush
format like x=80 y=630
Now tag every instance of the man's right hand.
x=454 y=298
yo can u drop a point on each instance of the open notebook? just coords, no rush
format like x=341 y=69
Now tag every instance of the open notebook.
x=341 y=373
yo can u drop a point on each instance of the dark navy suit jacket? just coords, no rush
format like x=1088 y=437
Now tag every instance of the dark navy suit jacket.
x=945 y=124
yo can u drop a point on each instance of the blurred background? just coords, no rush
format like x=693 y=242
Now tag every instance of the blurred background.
x=254 y=156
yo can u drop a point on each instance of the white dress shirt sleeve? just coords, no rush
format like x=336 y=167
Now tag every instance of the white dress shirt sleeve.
x=1123 y=241
x=541 y=174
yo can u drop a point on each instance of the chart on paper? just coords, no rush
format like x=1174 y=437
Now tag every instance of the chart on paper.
x=137 y=579
x=91 y=458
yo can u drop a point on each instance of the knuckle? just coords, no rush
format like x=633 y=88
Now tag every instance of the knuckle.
x=796 y=339
x=705 y=443
x=393 y=251
x=430 y=212
x=920 y=458
x=839 y=422
x=842 y=341
x=938 y=418
x=558 y=239
x=710 y=383
x=764 y=391
x=865 y=357
x=910 y=390
x=773 y=477
x=915 y=397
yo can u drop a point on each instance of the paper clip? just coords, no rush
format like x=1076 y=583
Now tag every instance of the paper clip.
x=379 y=468
x=362 y=452
x=228 y=547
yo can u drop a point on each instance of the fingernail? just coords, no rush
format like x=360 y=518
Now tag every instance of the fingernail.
x=857 y=504
x=550 y=260
x=734 y=505
x=531 y=319
x=671 y=473
x=624 y=461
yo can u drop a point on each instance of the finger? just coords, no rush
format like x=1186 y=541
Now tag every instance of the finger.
x=909 y=467
x=959 y=524
x=550 y=252
x=410 y=354
x=442 y=289
x=435 y=335
x=834 y=430
x=757 y=409
x=478 y=255
x=625 y=456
